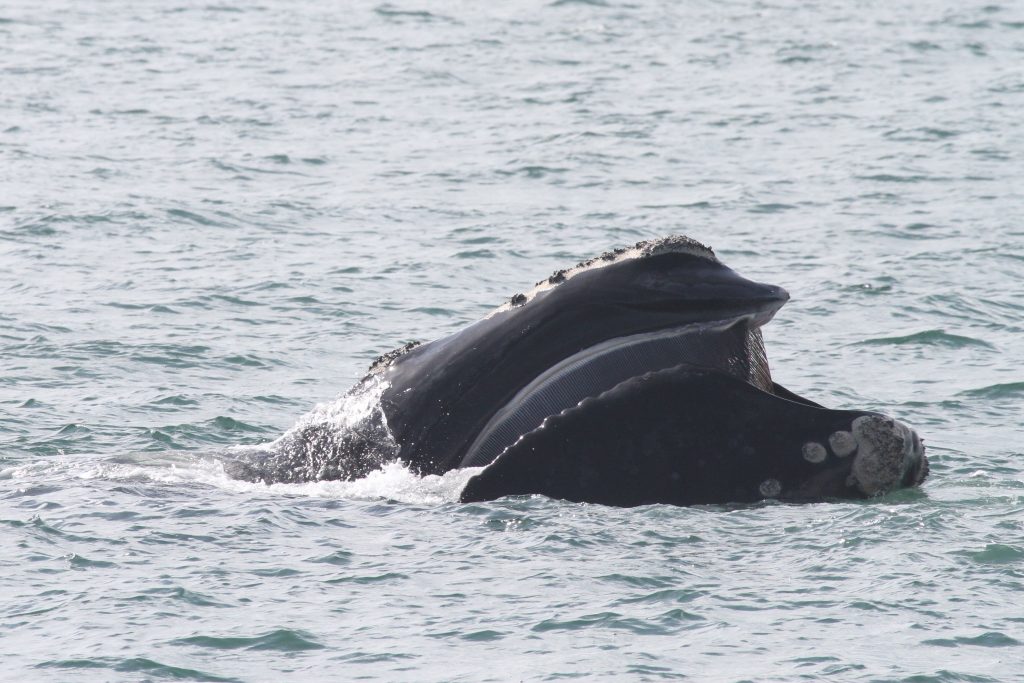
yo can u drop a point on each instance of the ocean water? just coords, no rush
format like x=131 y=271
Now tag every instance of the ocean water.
x=213 y=216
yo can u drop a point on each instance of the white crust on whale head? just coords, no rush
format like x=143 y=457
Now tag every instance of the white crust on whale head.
x=883 y=446
x=676 y=244
x=842 y=443
x=770 y=488
x=814 y=452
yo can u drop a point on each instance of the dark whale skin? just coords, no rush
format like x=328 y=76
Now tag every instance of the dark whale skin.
x=442 y=393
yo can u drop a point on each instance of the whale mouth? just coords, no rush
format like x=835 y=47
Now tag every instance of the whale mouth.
x=733 y=345
x=756 y=302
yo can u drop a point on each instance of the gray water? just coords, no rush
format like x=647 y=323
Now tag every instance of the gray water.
x=214 y=216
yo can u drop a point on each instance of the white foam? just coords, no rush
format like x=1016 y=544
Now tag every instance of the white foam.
x=358 y=405
x=393 y=481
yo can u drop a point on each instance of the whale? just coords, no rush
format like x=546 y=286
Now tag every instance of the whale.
x=636 y=377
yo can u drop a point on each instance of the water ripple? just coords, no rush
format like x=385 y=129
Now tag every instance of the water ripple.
x=213 y=216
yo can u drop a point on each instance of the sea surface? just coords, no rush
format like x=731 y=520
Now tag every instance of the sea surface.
x=215 y=215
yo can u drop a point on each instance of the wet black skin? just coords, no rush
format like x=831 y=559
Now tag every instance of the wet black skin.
x=442 y=393
x=683 y=436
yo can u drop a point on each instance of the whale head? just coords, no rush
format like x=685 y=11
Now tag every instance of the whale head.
x=576 y=334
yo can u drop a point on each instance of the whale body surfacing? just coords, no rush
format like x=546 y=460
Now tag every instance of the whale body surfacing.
x=636 y=377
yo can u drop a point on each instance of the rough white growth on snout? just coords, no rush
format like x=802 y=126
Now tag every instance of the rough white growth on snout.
x=677 y=244
x=770 y=488
x=814 y=452
x=842 y=443
x=881 y=446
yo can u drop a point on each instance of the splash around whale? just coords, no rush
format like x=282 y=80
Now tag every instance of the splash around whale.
x=637 y=377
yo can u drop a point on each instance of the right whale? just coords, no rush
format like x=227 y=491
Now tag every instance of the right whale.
x=637 y=377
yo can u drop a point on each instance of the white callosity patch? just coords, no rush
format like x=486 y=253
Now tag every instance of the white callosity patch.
x=842 y=443
x=814 y=452
x=882 y=446
x=770 y=488
x=677 y=244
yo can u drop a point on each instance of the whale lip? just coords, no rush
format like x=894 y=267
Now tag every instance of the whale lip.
x=767 y=300
x=779 y=293
x=763 y=302
x=920 y=467
x=754 y=301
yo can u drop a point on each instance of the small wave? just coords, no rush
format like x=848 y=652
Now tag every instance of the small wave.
x=930 y=338
x=987 y=639
x=592 y=3
x=894 y=178
x=389 y=11
x=996 y=553
x=193 y=217
x=771 y=208
x=475 y=254
x=533 y=171
x=134 y=665
x=1007 y=390
x=282 y=640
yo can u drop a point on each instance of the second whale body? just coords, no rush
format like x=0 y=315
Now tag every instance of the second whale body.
x=636 y=377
